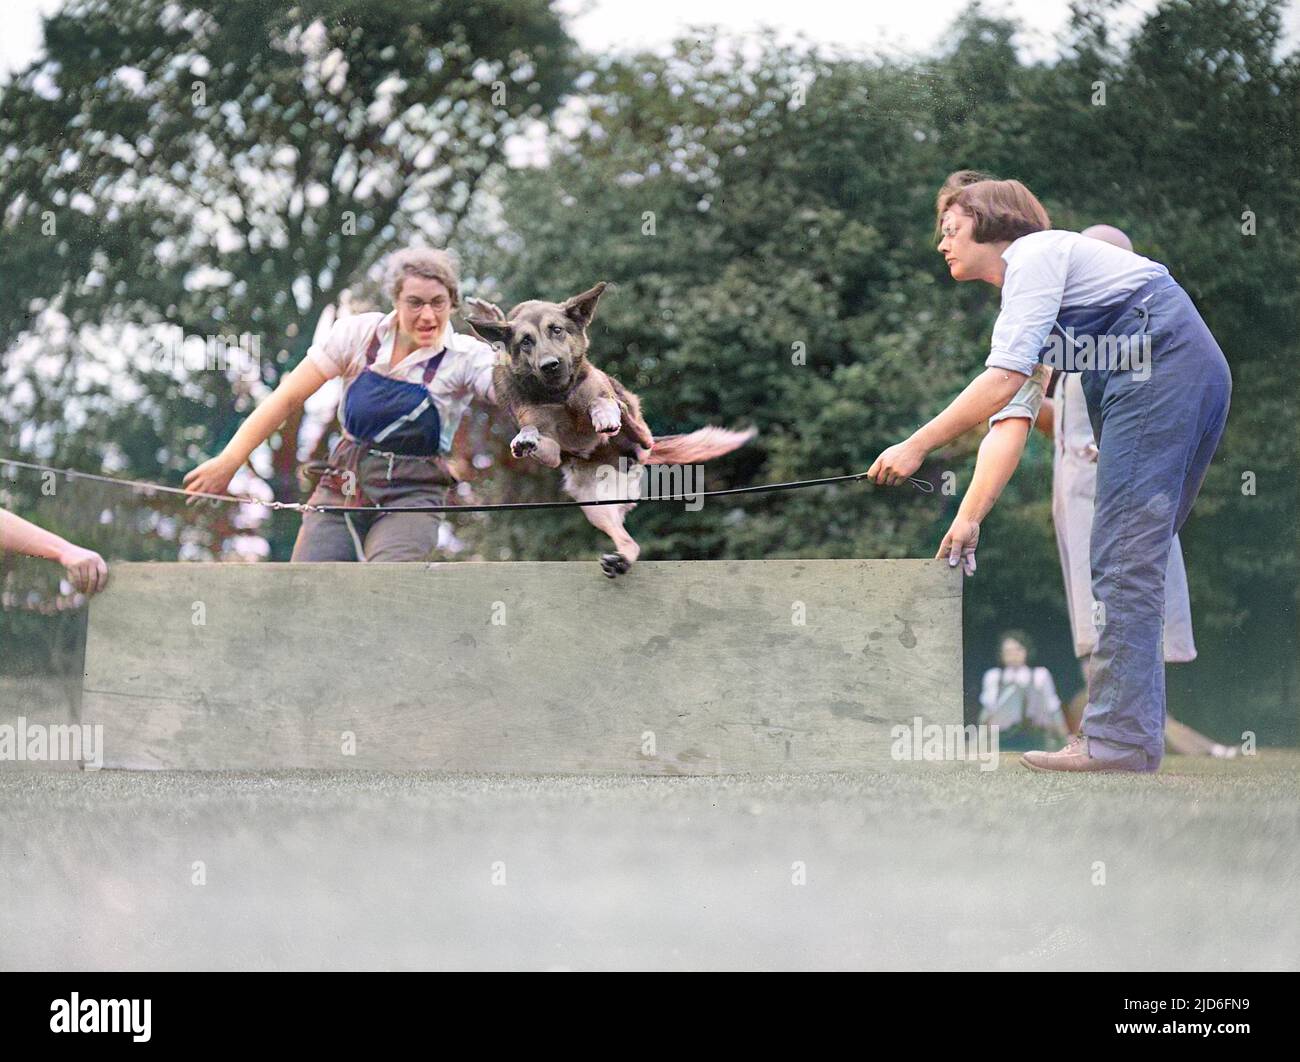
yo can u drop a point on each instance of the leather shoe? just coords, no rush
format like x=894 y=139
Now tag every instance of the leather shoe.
x=1076 y=757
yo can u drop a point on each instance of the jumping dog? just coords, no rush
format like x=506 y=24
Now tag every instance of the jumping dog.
x=574 y=417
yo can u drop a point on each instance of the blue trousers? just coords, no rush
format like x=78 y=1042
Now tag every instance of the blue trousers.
x=1157 y=427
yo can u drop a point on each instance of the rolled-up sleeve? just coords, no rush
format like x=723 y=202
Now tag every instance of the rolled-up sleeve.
x=1028 y=400
x=1031 y=302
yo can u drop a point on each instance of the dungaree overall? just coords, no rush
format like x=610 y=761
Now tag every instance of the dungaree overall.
x=1156 y=435
x=389 y=455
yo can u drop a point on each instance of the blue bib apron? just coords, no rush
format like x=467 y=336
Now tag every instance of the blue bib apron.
x=393 y=420
x=400 y=415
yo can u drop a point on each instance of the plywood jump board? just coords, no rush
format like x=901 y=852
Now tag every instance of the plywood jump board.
x=680 y=667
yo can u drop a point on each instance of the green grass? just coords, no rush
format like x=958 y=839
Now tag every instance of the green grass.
x=931 y=866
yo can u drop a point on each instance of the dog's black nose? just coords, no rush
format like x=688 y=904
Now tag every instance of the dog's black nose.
x=550 y=365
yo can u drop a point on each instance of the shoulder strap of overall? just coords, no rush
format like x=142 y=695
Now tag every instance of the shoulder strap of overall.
x=431 y=366
x=372 y=350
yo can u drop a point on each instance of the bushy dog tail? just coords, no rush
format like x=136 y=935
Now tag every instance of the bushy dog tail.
x=703 y=444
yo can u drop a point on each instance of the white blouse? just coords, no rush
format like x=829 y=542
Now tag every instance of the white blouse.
x=1014 y=695
x=464 y=373
x=1056 y=269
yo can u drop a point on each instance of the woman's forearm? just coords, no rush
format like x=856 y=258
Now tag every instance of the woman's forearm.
x=999 y=454
x=296 y=387
x=215 y=474
x=20 y=536
x=989 y=392
x=258 y=427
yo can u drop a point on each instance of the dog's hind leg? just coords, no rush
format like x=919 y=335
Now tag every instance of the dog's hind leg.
x=609 y=518
x=585 y=482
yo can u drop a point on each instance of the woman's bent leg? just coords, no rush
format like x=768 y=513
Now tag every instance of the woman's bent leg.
x=324 y=537
x=402 y=537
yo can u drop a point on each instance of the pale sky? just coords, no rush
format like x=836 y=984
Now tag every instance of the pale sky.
x=908 y=26
x=901 y=25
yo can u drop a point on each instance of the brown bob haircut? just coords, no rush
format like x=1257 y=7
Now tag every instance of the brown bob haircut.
x=1003 y=210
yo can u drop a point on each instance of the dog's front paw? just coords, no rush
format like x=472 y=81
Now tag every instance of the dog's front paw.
x=605 y=419
x=525 y=443
x=614 y=564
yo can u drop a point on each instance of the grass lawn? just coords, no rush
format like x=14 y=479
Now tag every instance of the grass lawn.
x=928 y=866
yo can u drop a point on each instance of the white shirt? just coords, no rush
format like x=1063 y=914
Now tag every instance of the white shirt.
x=464 y=373
x=1054 y=270
x=1014 y=695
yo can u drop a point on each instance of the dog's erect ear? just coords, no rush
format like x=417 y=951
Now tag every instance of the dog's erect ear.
x=491 y=331
x=481 y=308
x=487 y=321
x=582 y=308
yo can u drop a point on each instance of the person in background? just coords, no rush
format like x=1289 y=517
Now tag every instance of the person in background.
x=86 y=569
x=1021 y=700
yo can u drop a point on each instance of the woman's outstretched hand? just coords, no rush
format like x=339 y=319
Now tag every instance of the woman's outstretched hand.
x=894 y=465
x=211 y=477
x=959 y=544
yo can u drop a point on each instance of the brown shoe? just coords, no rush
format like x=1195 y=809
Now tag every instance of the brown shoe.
x=1075 y=757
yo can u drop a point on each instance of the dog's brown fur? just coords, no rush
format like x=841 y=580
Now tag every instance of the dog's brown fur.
x=572 y=415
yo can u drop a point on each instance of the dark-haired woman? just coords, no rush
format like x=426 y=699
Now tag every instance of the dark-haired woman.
x=1157 y=387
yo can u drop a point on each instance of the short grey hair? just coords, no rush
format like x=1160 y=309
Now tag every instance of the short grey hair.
x=426 y=262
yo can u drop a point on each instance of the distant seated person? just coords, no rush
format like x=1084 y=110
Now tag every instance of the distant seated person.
x=1021 y=700
x=86 y=569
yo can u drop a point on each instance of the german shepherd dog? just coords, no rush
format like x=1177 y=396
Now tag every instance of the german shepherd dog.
x=573 y=416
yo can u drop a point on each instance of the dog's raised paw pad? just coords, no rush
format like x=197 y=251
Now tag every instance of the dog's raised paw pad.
x=613 y=564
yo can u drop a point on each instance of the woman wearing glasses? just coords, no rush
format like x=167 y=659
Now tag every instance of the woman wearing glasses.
x=407 y=380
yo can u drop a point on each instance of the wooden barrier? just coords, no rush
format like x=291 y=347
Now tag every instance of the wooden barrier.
x=680 y=667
